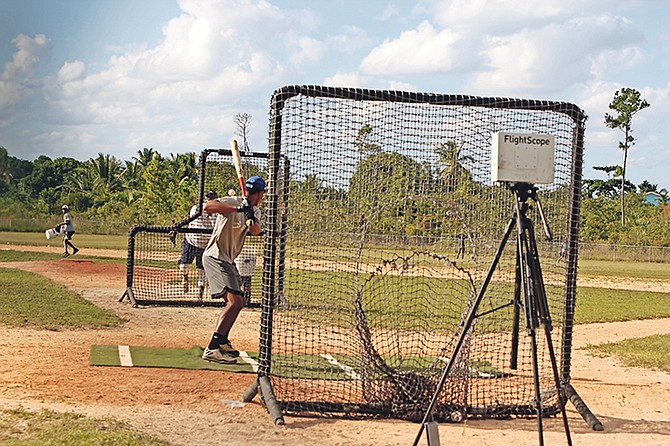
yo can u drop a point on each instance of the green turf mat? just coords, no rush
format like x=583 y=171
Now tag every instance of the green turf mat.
x=177 y=358
x=302 y=366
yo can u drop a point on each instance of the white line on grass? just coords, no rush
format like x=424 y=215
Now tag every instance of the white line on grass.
x=124 y=356
x=249 y=360
x=351 y=373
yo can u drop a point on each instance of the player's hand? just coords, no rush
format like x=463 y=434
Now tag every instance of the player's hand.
x=243 y=205
x=248 y=210
x=249 y=217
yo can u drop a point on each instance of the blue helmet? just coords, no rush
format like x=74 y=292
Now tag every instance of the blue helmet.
x=255 y=184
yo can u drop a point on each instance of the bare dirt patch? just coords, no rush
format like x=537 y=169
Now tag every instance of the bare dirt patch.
x=50 y=369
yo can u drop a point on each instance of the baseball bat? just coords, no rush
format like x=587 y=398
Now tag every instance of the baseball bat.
x=237 y=161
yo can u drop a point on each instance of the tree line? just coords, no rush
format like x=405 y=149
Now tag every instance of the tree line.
x=153 y=189
x=148 y=189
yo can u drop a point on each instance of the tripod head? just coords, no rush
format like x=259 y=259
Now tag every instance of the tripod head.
x=524 y=191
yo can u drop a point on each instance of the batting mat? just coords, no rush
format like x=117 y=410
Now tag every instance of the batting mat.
x=176 y=358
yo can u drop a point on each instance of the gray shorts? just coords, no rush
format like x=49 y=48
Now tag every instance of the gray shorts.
x=223 y=277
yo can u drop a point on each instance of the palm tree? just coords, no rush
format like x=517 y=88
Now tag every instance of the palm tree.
x=145 y=156
x=106 y=170
x=451 y=159
x=184 y=165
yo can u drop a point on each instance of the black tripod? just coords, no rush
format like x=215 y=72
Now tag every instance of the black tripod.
x=529 y=285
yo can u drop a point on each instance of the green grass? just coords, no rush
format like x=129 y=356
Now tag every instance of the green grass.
x=652 y=352
x=28 y=299
x=32 y=256
x=85 y=240
x=593 y=304
x=610 y=305
x=638 y=270
x=19 y=427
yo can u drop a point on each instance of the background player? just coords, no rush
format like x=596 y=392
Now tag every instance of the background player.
x=67 y=228
x=193 y=246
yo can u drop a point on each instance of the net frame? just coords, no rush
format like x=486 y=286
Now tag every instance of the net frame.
x=153 y=277
x=301 y=395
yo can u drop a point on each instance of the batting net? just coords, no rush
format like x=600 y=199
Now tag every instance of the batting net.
x=378 y=241
x=154 y=275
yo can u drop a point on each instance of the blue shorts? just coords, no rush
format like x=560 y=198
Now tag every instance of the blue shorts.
x=190 y=252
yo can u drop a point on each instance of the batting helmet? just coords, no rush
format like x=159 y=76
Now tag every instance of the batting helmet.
x=255 y=184
x=65 y=208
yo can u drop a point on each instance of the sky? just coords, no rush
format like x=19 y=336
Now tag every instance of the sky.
x=83 y=77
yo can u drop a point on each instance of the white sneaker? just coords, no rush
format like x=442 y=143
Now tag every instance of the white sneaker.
x=217 y=356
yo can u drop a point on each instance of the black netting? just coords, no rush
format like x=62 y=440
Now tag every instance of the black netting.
x=154 y=276
x=380 y=235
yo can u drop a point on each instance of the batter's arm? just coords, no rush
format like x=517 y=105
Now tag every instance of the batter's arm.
x=217 y=207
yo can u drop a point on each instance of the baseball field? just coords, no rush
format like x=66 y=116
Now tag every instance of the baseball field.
x=48 y=368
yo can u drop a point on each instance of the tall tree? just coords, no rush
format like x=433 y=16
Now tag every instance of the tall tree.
x=626 y=103
x=243 y=121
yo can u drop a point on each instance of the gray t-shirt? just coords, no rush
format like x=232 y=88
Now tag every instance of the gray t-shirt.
x=229 y=232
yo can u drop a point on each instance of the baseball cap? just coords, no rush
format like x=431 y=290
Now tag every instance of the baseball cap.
x=255 y=184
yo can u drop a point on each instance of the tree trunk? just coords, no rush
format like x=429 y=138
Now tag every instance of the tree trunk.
x=623 y=180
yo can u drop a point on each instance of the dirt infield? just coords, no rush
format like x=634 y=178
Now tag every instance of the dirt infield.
x=45 y=369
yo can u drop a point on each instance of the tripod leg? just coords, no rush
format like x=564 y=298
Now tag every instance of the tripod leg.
x=514 y=352
x=472 y=314
x=542 y=307
x=559 y=389
x=538 y=394
x=532 y=323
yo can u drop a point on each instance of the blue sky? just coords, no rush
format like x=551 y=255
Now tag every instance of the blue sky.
x=83 y=77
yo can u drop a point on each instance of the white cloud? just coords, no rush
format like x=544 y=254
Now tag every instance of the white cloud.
x=356 y=80
x=419 y=51
x=17 y=80
x=214 y=53
x=555 y=57
x=389 y=11
x=350 y=39
x=309 y=49
x=500 y=16
x=30 y=51
x=345 y=80
x=71 y=71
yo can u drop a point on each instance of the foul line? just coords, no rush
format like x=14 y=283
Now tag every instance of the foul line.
x=124 y=356
x=351 y=373
x=249 y=360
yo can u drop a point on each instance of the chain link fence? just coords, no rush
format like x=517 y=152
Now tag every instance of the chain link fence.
x=603 y=251
x=587 y=250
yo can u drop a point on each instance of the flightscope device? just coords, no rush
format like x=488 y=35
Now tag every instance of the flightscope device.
x=522 y=158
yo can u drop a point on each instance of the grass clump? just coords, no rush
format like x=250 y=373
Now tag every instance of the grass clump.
x=27 y=299
x=19 y=427
x=651 y=352
x=612 y=305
